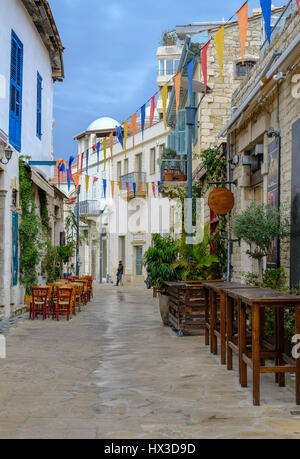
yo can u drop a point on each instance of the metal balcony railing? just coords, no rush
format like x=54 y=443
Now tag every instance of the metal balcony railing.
x=88 y=208
x=280 y=22
x=177 y=168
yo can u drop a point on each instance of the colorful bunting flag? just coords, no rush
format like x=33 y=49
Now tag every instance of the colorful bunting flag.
x=104 y=150
x=120 y=136
x=128 y=190
x=87 y=181
x=94 y=147
x=147 y=189
x=69 y=180
x=133 y=126
x=164 y=96
x=77 y=181
x=141 y=188
x=71 y=160
x=87 y=161
x=120 y=188
x=242 y=15
x=143 y=118
x=177 y=86
x=266 y=6
x=95 y=180
x=152 y=110
x=111 y=143
x=297 y=1
x=112 y=189
x=125 y=129
x=190 y=77
x=153 y=188
x=82 y=157
x=219 y=41
x=134 y=190
x=104 y=187
x=98 y=155
x=204 y=64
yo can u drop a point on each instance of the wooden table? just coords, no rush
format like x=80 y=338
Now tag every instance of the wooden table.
x=256 y=300
x=214 y=294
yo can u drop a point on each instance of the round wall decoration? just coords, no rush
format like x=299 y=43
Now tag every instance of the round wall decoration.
x=221 y=201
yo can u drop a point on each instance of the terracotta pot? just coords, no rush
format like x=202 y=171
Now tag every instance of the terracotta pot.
x=181 y=177
x=169 y=176
x=164 y=308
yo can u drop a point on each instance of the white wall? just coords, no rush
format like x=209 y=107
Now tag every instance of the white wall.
x=14 y=16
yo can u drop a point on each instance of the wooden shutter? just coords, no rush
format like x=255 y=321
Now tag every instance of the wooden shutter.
x=16 y=81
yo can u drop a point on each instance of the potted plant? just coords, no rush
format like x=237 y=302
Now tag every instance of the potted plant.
x=158 y=260
x=259 y=226
x=167 y=157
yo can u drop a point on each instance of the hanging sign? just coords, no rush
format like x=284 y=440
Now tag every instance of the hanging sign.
x=221 y=201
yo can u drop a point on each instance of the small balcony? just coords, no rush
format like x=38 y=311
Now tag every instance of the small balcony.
x=139 y=178
x=174 y=171
x=89 y=209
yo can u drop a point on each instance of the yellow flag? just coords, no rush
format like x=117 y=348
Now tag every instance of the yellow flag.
x=120 y=187
x=125 y=127
x=177 y=85
x=147 y=189
x=87 y=181
x=164 y=96
x=104 y=149
x=219 y=41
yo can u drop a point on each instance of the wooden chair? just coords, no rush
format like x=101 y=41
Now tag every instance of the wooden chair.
x=39 y=302
x=64 y=302
x=89 y=286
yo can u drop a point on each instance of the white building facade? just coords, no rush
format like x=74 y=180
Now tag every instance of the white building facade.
x=30 y=62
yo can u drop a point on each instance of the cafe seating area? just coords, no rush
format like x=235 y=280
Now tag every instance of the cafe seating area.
x=235 y=324
x=62 y=299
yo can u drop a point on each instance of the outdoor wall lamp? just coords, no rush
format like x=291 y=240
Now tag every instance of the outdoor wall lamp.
x=272 y=133
x=8 y=155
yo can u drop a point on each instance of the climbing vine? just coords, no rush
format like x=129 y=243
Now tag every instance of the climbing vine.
x=29 y=232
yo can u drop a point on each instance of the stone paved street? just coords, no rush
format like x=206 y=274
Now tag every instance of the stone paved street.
x=115 y=372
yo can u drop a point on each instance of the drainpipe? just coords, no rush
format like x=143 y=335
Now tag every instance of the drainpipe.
x=229 y=247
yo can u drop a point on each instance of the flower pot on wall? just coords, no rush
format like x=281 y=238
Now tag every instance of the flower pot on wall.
x=164 y=308
x=181 y=177
x=169 y=176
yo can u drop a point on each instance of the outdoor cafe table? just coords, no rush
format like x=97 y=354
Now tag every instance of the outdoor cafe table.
x=213 y=330
x=255 y=300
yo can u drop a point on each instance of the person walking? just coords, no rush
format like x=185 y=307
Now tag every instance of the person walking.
x=120 y=273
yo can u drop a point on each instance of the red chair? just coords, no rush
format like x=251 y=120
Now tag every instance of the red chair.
x=64 y=302
x=39 y=302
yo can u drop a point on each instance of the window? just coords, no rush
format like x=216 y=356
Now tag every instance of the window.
x=39 y=107
x=152 y=161
x=168 y=66
x=139 y=163
x=122 y=253
x=243 y=69
x=139 y=261
x=16 y=79
x=14 y=197
x=126 y=167
x=119 y=170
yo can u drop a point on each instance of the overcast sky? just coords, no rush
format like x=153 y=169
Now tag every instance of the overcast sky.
x=110 y=57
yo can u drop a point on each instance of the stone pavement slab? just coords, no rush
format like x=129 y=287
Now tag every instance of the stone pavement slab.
x=115 y=371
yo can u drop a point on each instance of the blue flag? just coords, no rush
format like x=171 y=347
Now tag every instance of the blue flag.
x=62 y=167
x=87 y=162
x=134 y=190
x=266 y=6
x=104 y=188
x=120 y=136
x=71 y=160
x=143 y=117
x=98 y=155
x=69 y=180
x=190 y=76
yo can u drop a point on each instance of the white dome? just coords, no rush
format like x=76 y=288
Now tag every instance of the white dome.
x=103 y=124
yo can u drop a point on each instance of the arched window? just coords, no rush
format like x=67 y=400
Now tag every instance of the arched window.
x=243 y=69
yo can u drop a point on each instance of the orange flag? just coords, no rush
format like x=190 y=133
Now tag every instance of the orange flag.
x=243 y=25
x=177 y=85
x=147 y=189
x=77 y=181
x=133 y=126
x=219 y=42
x=111 y=142
x=164 y=96
x=112 y=189
x=125 y=127
x=141 y=188
x=120 y=187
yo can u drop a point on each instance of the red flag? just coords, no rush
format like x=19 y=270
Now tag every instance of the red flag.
x=95 y=180
x=127 y=186
x=204 y=64
x=94 y=147
x=133 y=126
x=152 y=110
x=298 y=7
x=153 y=188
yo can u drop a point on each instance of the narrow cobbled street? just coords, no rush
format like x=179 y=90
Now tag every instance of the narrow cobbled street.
x=115 y=372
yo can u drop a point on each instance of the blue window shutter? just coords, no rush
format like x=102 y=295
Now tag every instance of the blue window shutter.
x=15 y=248
x=39 y=107
x=16 y=83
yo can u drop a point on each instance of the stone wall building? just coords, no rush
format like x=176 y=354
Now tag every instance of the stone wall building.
x=264 y=133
